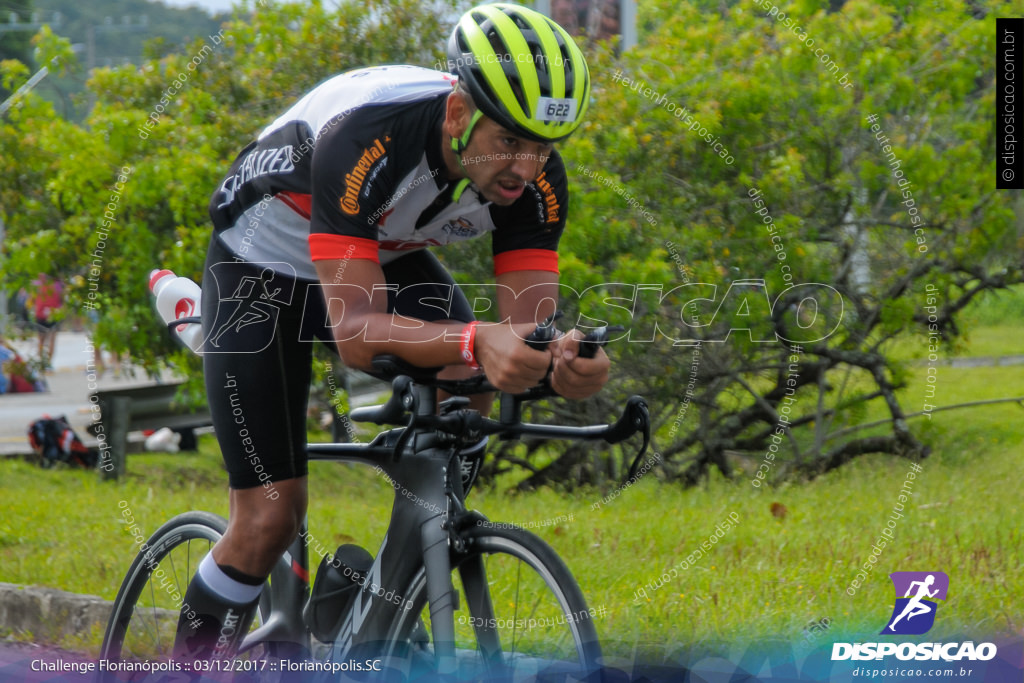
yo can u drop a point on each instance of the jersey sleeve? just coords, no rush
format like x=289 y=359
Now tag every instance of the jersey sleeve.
x=351 y=178
x=526 y=233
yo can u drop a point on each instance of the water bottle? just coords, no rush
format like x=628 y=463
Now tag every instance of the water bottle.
x=163 y=439
x=178 y=297
x=337 y=580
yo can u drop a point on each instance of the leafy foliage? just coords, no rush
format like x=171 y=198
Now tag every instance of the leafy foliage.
x=656 y=200
x=207 y=103
x=840 y=212
x=15 y=44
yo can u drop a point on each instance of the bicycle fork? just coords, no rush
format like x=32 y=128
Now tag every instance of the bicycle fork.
x=437 y=563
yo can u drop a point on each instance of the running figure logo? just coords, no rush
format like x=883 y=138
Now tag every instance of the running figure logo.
x=254 y=304
x=914 y=612
x=248 y=303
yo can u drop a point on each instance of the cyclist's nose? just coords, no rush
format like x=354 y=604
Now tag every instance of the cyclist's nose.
x=526 y=167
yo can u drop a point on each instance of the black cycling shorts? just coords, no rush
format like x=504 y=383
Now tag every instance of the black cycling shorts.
x=259 y=327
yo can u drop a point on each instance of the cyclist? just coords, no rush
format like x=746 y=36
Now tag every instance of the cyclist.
x=321 y=229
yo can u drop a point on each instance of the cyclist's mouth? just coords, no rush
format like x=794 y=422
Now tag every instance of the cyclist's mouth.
x=510 y=189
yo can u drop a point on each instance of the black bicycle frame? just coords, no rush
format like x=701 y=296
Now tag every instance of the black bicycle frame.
x=419 y=534
x=416 y=537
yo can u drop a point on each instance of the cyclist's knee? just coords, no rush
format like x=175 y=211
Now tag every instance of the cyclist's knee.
x=267 y=525
x=267 y=536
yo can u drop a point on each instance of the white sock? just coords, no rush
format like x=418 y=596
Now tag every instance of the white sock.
x=223 y=585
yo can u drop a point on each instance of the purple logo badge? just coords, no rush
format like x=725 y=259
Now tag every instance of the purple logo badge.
x=916 y=593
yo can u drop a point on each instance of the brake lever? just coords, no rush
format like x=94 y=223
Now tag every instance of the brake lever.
x=636 y=418
x=400 y=402
x=545 y=333
x=403 y=439
x=597 y=338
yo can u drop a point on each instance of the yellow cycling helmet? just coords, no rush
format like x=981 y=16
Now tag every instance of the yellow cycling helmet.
x=522 y=70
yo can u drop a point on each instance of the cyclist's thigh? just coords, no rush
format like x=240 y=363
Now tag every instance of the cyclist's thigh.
x=426 y=291
x=256 y=368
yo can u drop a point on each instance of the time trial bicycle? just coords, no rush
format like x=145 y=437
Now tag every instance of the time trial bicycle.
x=448 y=592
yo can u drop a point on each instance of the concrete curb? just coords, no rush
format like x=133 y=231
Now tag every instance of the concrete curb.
x=50 y=614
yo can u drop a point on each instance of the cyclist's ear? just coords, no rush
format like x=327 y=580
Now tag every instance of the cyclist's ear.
x=457 y=114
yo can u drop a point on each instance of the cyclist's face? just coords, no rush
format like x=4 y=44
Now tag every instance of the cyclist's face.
x=500 y=163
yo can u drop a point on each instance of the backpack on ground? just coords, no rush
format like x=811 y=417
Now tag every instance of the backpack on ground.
x=55 y=441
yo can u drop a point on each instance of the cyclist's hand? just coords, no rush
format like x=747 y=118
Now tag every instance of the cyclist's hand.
x=575 y=377
x=510 y=364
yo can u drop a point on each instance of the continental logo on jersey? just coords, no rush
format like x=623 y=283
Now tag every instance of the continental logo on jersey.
x=355 y=178
x=550 y=201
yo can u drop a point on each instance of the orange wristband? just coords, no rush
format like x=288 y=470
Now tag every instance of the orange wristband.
x=466 y=345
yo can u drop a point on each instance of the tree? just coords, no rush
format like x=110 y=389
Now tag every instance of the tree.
x=14 y=44
x=127 y=191
x=724 y=150
x=724 y=163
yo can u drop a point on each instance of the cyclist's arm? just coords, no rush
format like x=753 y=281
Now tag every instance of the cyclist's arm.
x=344 y=246
x=531 y=296
x=357 y=307
x=527 y=296
x=525 y=255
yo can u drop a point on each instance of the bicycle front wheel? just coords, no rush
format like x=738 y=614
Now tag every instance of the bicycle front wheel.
x=145 y=611
x=519 y=612
x=145 y=615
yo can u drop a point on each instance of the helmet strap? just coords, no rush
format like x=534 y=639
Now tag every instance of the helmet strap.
x=459 y=146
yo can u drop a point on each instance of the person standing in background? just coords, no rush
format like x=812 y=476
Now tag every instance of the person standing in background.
x=47 y=300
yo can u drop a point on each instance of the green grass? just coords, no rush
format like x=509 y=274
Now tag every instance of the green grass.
x=997 y=308
x=766 y=576
x=991 y=341
x=987 y=341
